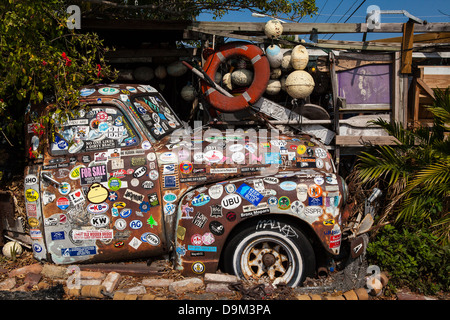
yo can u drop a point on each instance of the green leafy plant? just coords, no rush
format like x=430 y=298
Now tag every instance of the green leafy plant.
x=415 y=172
x=413 y=258
x=40 y=58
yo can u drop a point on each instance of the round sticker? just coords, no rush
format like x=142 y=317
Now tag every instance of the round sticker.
x=64 y=188
x=114 y=184
x=314 y=191
x=284 y=203
x=198 y=267
x=108 y=91
x=186 y=167
x=301 y=149
x=31 y=195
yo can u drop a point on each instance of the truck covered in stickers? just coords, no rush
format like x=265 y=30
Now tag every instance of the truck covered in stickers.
x=125 y=179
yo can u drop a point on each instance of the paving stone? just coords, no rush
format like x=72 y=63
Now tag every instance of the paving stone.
x=151 y=282
x=54 y=272
x=8 y=284
x=189 y=284
x=218 y=288
x=111 y=281
x=33 y=268
x=92 y=275
x=136 y=290
x=222 y=278
x=32 y=278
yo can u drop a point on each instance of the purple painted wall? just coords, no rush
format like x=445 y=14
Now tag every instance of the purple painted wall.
x=369 y=84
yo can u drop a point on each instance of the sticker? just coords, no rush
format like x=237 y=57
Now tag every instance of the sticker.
x=64 y=188
x=91 y=175
x=30 y=180
x=133 y=196
x=140 y=172
x=216 y=228
x=97 y=193
x=314 y=191
x=114 y=184
x=200 y=200
x=100 y=221
x=284 y=203
x=231 y=201
x=78 y=251
x=170 y=197
x=320 y=153
x=196 y=240
x=215 y=191
x=152 y=239
x=272 y=158
x=75 y=172
x=135 y=243
x=213 y=156
x=208 y=239
x=216 y=211
x=271 y=180
x=301 y=149
x=288 y=185
x=105 y=234
x=120 y=224
x=249 y=194
x=62 y=203
x=313 y=211
x=97 y=208
x=315 y=201
x=199 y=220
x=77 y=197
x=170 y=182
x=31 y=195
x=297 y=207
x=136 y=224
x=222 y=170
x=198 y=267
x=186 y=167
x=108 y=91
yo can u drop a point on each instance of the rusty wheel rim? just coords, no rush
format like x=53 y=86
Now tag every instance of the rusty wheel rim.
x=268 y=257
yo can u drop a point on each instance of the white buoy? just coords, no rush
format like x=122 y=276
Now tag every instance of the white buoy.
x=299 y=58
x=299 y=84
x=275 y=73
x=160 y=72
x=286 y=61
x=242 y=77
x=12 y=248
x=143 y=74
x=176 y=69
x=273 y=87
x=226 y=79
x=188 y=93
x=274 y=55
x=273 y=29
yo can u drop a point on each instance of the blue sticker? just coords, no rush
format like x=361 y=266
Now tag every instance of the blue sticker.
x=272 y=158
x=136 y=224
x=202 y=248
x=125 y=213
x=78 y=251
x=315 y=201
x=200 y=200
x=57 y=235
x=250 y=194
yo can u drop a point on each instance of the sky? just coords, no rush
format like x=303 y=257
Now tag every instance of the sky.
x=333 y=11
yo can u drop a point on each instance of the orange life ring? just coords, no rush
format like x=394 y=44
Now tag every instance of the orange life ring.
x=261 y=74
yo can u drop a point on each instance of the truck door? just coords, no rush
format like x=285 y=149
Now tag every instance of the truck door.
x=100 y=197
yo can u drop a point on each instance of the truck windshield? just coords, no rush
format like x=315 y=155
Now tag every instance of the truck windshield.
x=155 y=113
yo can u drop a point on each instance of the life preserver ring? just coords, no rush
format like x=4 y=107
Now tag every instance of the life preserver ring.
x=261 y=74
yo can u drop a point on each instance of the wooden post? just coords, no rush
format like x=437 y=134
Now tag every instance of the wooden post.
x=407 y=47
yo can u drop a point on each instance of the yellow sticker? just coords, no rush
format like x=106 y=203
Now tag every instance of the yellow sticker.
x=31 y=195
x=301 y=149
x=328 y=222
x=33 y=222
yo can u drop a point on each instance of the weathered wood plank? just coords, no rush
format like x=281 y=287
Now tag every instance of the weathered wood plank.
x=362 y=140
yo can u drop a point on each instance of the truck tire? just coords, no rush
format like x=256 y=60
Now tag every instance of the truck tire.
x=270 y=249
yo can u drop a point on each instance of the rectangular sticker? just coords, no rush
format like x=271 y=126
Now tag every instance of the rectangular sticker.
x=90 y=175
x=250 y=194
x=78 y=251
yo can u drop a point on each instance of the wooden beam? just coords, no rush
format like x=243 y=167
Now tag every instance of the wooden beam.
x=257 y=28
x=407 y=47
x=432 y=37
x=364 y=140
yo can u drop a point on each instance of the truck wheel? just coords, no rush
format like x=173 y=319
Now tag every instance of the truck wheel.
x=271 y=249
